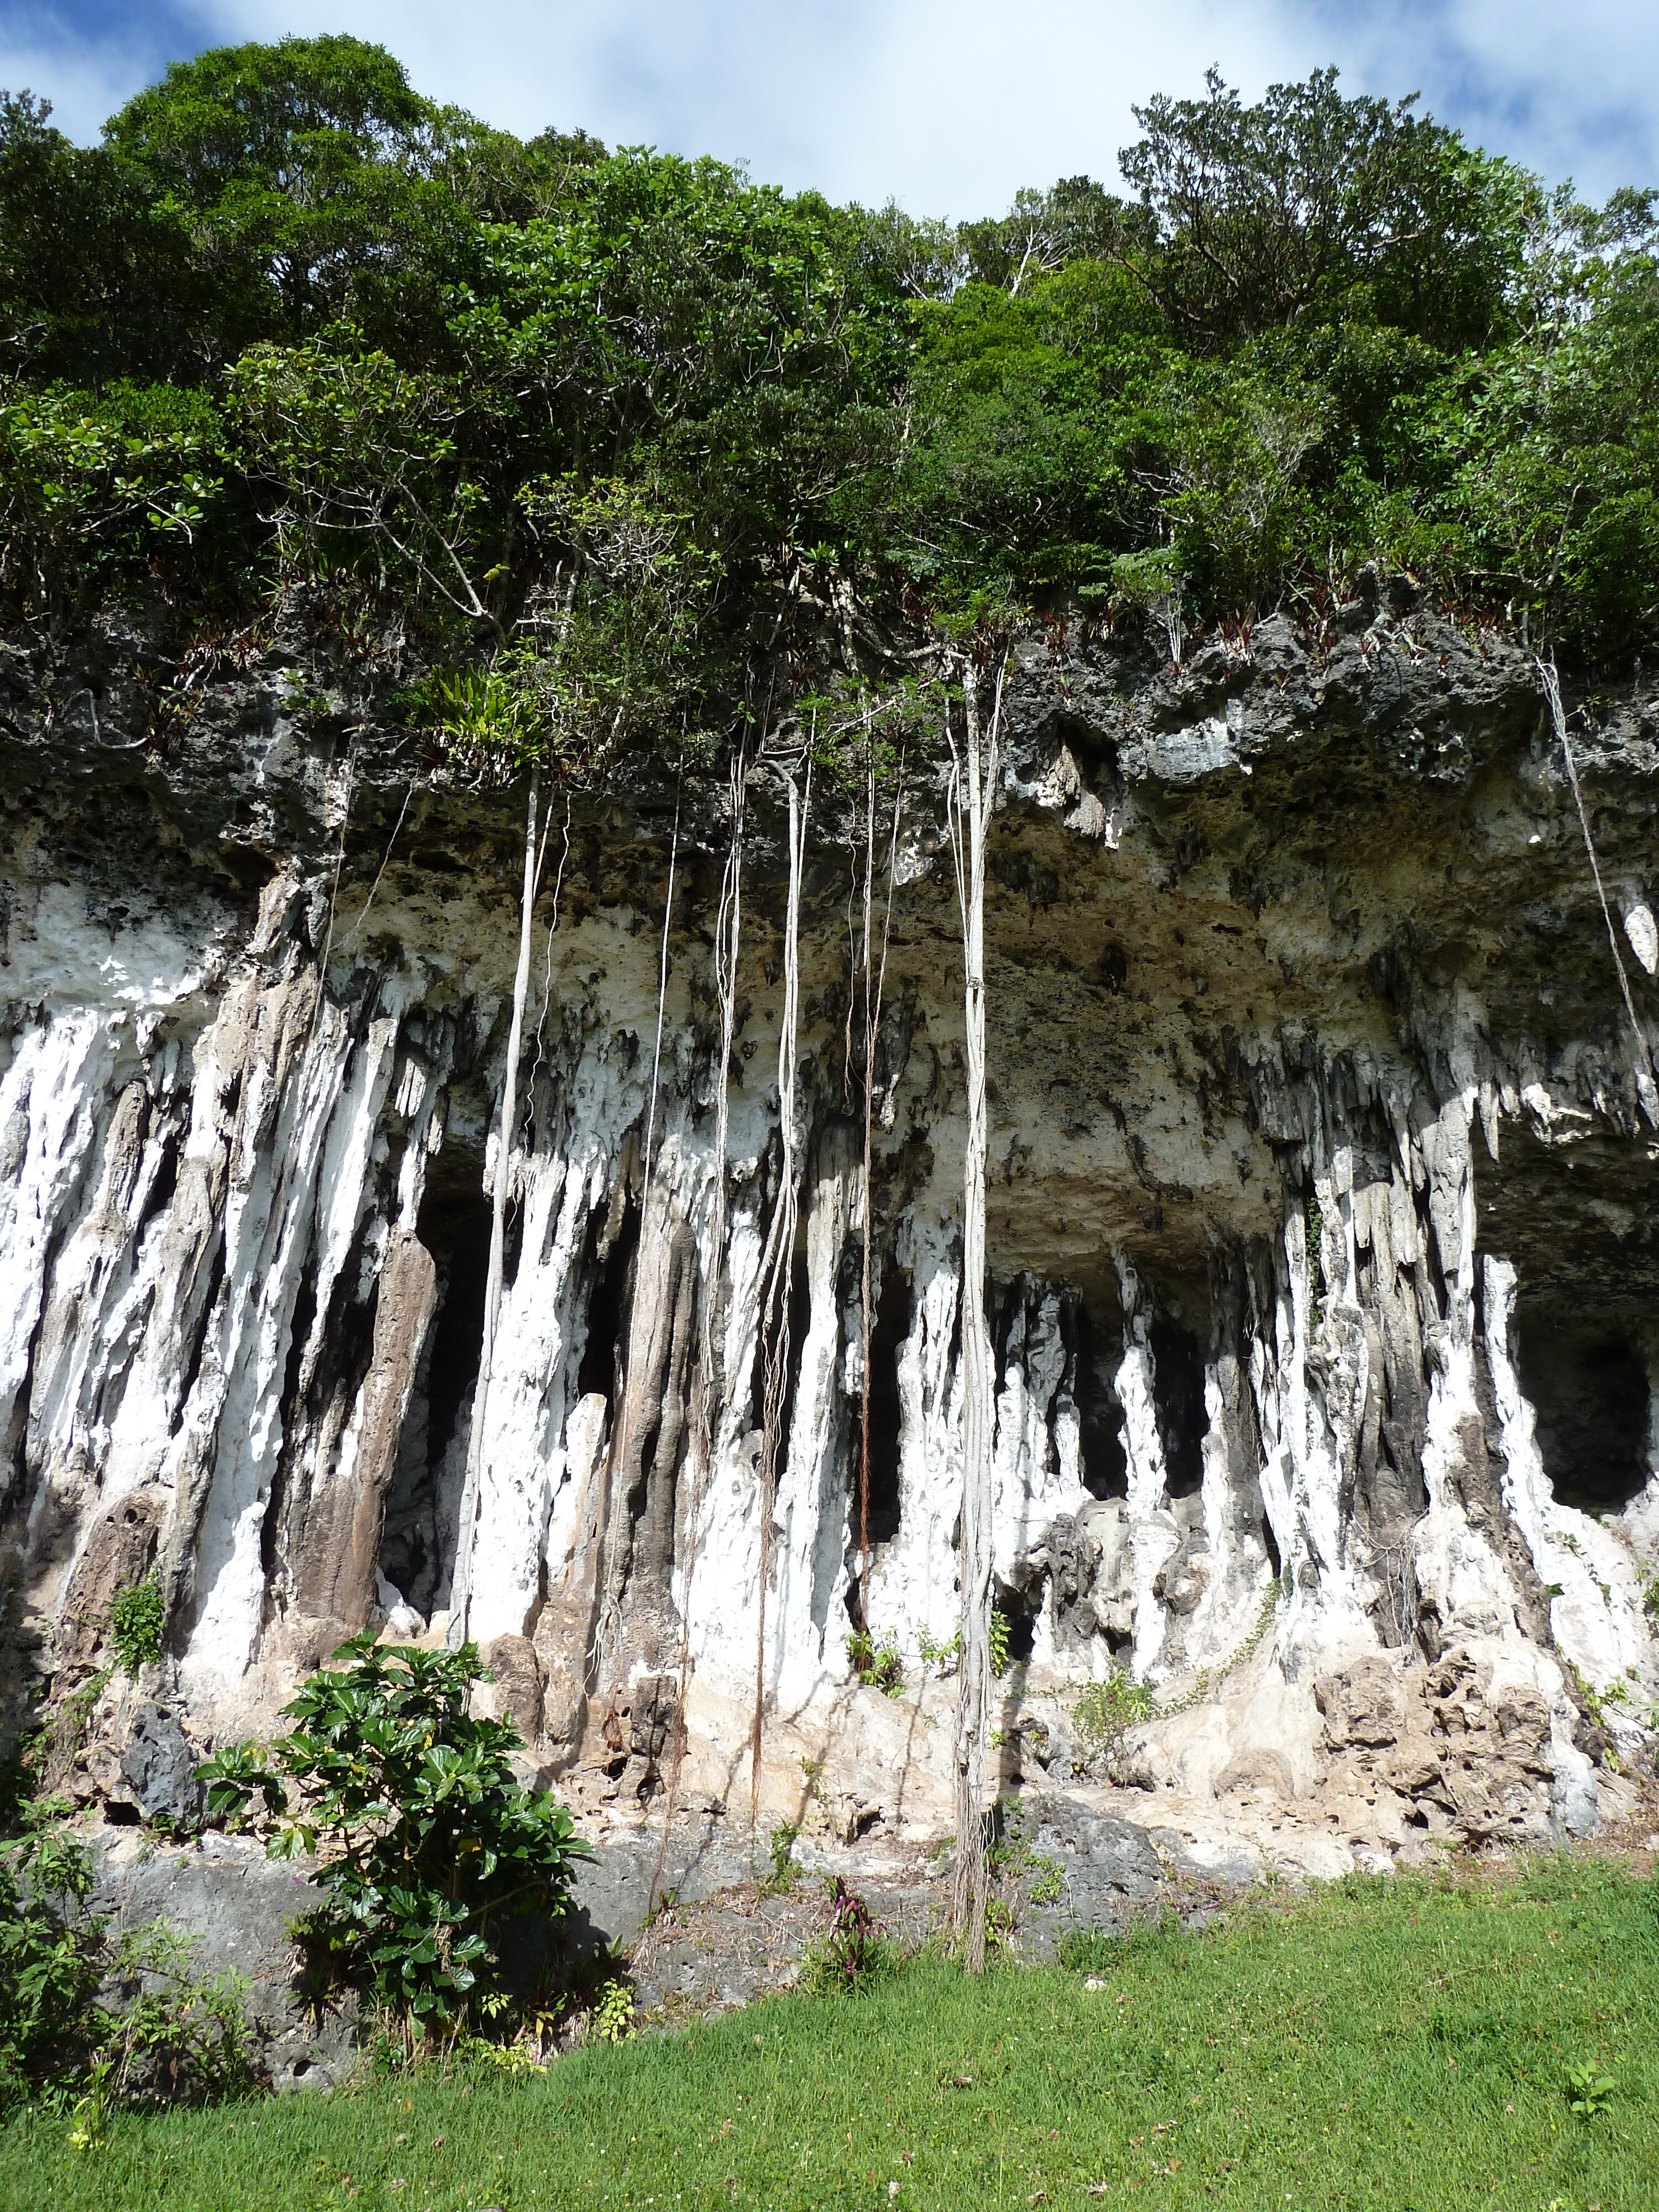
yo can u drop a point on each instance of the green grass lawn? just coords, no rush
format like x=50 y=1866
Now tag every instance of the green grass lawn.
x=1387 y=2044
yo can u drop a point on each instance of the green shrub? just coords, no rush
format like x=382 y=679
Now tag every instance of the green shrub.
x=51 y=1962
x=1107 y=1709
x=429 y=1847
x=138 y=1616
x=130 y=2020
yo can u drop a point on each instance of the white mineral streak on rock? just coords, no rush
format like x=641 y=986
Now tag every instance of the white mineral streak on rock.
x=50 y=1096
x=913 y=1580
x=308 y=1106
x=1644 y=935
x=1030 y=1483
x=724 y=1586
x=1153 y=1534
x=524 y=1414
x=1456 y=1566
x=88 y=1113
x=541 y=1334
x=805 y=1619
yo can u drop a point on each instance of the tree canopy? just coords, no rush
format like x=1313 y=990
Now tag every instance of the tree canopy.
x=291 y=318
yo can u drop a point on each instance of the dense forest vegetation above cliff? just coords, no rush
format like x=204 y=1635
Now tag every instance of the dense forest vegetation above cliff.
x=646 y=416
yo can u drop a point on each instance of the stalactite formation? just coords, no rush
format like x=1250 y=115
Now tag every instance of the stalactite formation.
x=1259 y=1300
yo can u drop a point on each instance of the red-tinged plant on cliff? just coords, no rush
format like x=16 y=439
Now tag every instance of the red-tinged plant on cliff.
x=430 y=1848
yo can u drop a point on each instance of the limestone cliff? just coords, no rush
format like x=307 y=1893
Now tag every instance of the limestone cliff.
x=1324 y=1226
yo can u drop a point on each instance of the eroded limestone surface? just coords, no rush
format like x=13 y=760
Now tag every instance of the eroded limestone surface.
x=1321 y=1225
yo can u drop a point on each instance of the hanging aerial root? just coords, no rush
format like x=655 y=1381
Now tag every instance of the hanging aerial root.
x=466 y=1535
x=1647 y=1088
x=727 y=936
x=777 y=1269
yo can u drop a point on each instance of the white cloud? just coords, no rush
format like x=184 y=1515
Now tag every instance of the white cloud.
x=86 y=80
x=948 y=104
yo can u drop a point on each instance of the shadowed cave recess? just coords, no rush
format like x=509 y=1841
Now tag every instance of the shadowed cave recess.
x=1322 y=1223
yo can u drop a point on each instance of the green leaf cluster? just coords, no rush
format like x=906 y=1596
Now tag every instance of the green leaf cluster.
x=429 y=1848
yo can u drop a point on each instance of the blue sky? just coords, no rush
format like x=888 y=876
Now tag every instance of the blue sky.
x=947 y=106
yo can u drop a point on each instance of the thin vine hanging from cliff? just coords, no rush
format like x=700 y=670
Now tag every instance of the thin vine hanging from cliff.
x=777 y=1267
x=1647 y=1091
x=728 y=925
x=461 y=1603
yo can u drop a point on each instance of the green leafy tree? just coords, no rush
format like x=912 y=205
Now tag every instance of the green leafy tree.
x=1307 y=203
x=428 y=1847
x=97 y=279
x=292 y=164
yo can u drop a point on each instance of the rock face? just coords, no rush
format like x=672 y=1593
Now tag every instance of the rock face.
x=1323 y=1225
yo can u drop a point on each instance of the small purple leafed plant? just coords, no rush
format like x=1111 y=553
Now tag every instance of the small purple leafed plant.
x=852 y=1953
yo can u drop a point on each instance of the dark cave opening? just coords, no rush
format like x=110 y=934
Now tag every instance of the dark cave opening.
x=1178 y=1398
x=1019 y=1610
x=417 y=1543
x=454 y=1225
x=1270 y=1546
x=607 y=1304
x=801 y=1316
x=1589 y=1389
x=889 y=1330
x=1105 y=1469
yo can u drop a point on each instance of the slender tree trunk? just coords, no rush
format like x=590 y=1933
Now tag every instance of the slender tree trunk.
x=461 y=1595
x=777 y=1273
x=974 y=1699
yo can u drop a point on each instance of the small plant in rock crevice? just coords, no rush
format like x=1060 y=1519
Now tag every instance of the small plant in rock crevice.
x=126 y=2020
x=934 y=1653
x=137 y=1616
x=786 y=1871
x=876 y=1666
x=1107 y=1709
x=1012 y=1858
